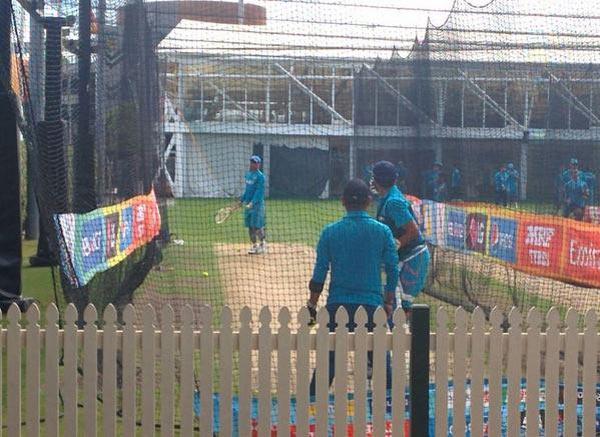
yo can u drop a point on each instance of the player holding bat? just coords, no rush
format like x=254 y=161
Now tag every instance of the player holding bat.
x=396 y=211
x=253 y=201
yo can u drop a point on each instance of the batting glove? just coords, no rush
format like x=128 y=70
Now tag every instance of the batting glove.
x=312 y=311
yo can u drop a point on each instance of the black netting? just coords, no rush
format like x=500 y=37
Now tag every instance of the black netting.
x=177 y=96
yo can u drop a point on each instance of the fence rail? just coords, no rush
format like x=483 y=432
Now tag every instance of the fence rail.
x=152 y=378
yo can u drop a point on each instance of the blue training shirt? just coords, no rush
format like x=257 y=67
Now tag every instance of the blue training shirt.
x=255 y=187
x=355 y=248
x=576 y=192
x=396 y=211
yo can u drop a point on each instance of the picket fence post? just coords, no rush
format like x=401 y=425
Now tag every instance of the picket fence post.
x=460 y=358
x=186 y=353
x=245 y=376
x=514 y=373
x=13 y=371
x=477 y=370
x=552 y=366
x=341 y=371
x=70 y=372
x=32 y=372
x=264 y=372
x=226 y=371
x=109 y=371
x=302 y=371
x=51 y=368
x=533 y=372
x=379 y=371
x=360 y=371
x=206 y=372
x=570 y=373
x=495 y=363
x=322 y=372
x=441 y=373
x=90 y=369
x=129 y=372
x=148 y=371
x=283 y=370
x=167 y=371
x=398 y=373
x=590 y=373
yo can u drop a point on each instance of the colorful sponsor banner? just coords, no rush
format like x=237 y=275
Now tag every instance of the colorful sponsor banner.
x=95 y=241
x=476 y=230
x=544 y=245
x=455 y=228
x=582 y=257
x=350 y=412
x=502 y=243
x=428 y=221
x=540 y=246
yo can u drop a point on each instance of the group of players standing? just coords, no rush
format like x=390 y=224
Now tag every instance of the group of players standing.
x=506 y=185
x=575 y=189
x=354 y=249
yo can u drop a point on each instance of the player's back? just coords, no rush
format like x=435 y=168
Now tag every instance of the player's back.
x=357 y=246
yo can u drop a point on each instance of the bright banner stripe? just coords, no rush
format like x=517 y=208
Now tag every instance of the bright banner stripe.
x=542 y=245
x=100 y=239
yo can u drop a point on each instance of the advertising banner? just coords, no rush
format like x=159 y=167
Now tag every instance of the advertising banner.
x=540 y=246
x=455 y=228
x=503 y=239
x=476 y=230
x=95 y=241
x=582 y=257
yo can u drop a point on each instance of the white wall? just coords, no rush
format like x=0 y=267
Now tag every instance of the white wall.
x=213 y=165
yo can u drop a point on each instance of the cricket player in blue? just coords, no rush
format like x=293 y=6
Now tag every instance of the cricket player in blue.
x=253 y=200
x=500 y=186
x=512 y=188
x=355 y=249
x=590 y=179
x=396 y=212
x=576 y=196
x=455 y=183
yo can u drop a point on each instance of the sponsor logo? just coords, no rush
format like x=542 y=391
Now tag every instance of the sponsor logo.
x=540 y=236
x=477 y=226
x=584 y=254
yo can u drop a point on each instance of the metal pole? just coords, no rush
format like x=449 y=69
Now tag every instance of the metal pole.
x=52 y=168
x=84 y=193
x=419 y=372
x=100 y=113
x=10 y=213
x=36 y=59
x=241 y=12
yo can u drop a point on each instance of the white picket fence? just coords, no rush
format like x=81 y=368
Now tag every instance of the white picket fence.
x=159 y=370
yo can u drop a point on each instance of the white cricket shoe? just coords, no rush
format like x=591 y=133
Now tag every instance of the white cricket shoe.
x=261 y=248
x=253 y=250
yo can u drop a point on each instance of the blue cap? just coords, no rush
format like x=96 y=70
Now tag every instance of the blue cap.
x=384 y=173
x=574 y=161
x=256 y=159
x=510 y=165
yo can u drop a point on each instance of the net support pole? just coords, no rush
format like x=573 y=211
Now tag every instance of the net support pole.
x=84 y=190
x=523 y=166
x=419 y=371
x=10 y=213
x=36 y=59
x=100 y=99
x=437 y=149
x=52 y=170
